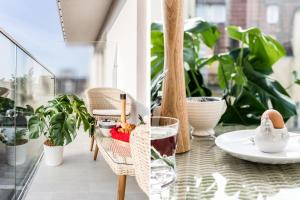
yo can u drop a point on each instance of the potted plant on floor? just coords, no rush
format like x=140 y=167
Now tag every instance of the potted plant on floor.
x=59 y=121
x=16 y=144
x=13 y=132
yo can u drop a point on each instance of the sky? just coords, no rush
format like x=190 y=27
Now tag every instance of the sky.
x=36 y=26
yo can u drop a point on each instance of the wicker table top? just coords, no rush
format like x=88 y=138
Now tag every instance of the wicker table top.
x=117 y=151
x=206 y=172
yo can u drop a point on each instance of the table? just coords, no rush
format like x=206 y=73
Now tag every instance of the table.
x=206 y=172
x=118 y=156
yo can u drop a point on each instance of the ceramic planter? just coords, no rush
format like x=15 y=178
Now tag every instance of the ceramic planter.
x=204 y=115
x=53 y=155
x=16 y=155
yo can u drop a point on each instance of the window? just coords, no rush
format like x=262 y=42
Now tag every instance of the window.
x=215 y=13
x=272 y=14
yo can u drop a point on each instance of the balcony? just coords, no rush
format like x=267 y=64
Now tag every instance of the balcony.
x=92 y=55
x=75 y=99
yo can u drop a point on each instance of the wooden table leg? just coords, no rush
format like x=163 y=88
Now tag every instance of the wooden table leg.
x=121 y=187
x=92 y=142
x=96 y=152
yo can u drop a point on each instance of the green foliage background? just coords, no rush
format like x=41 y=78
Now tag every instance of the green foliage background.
x=243 y=73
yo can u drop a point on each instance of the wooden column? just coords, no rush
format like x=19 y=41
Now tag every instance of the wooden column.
x=174 y=96
x=121 y=187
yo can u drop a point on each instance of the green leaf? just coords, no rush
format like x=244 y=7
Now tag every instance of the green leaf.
x=156 y=27
x=189 y=57
x=62 y=129
x=6 y=104
x=273 y=91
x=264 y=50
x=36 y=127
x=209 y=33
x=247 y=109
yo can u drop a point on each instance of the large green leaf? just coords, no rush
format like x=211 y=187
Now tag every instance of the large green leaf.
x=246 y=109
x=264 y=50
x=36 y=127
x=208 y=32
x=273 y=91
x=62 y=129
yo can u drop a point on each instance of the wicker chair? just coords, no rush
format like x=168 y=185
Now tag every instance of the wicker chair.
x=107 y=101
x=140 y=152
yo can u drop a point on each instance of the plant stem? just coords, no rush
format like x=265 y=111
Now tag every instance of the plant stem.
x=226 y=82
x=241 y=52
x=202 y=93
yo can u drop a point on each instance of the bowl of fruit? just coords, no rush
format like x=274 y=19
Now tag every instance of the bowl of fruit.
x=122 y=131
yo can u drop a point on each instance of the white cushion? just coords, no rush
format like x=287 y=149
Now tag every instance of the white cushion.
x=108 y=112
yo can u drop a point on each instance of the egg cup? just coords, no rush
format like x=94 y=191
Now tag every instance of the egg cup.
x=271 y=140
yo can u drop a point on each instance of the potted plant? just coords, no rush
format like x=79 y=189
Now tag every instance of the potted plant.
x=243 y=72
x=59 y=121
x=16 y=144
x=13 y=131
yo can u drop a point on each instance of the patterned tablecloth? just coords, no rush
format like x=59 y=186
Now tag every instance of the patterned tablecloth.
x=206 y=172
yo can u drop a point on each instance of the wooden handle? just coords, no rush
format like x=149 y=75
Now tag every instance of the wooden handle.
x=123 y=108
x=174 y=96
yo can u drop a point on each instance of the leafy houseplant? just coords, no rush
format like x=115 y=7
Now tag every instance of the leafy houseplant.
x=244 y=75
x=243 y=72
x=58 y=121
x=16 y=144
x=13 y=132
x=11 y=114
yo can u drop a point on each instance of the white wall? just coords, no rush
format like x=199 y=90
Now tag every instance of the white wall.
x=124 y=33
x=130 y=33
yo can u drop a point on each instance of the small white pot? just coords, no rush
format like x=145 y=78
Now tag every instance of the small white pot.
x=16 y=155
x=53 y=155
x=205 y=115
x=105 y=126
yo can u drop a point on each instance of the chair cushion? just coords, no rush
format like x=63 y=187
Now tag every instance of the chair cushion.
x=108 y=112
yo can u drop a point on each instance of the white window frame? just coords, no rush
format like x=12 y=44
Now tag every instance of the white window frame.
x=272 y=14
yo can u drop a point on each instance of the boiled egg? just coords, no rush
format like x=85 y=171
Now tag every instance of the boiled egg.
x=275 y=117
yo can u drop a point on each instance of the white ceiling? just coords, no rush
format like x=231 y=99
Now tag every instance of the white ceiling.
x=83 y=20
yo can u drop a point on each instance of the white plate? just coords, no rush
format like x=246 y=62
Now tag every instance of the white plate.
x=238 y=144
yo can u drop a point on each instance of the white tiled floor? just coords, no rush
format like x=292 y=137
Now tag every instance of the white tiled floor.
x=79 y=178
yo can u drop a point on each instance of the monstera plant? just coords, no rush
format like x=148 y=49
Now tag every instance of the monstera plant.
x=243 y=72
x=244 y=75
x=59 y=121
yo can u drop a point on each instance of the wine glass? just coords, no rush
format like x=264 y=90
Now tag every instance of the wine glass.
x=163 y=148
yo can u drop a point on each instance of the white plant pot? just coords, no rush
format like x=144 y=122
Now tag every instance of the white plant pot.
x=53 y=155
x=204 y=116
x=16 y=155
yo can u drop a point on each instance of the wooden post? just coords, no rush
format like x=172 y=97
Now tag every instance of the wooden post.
x=121 y=187
x=174 y=96
x=96 y=152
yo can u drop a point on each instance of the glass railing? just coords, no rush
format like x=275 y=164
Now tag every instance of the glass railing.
x=25 y=84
